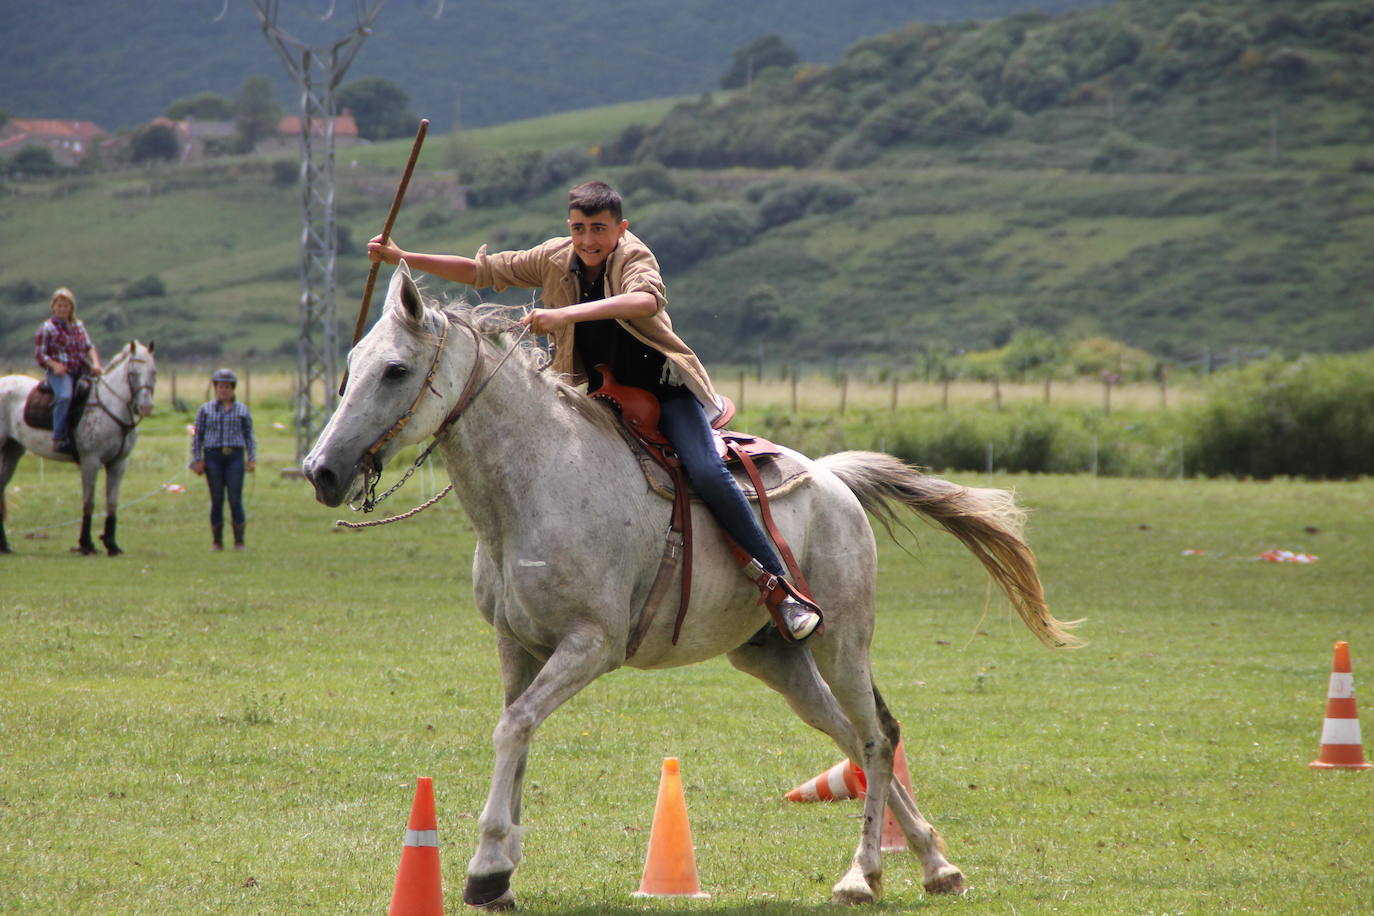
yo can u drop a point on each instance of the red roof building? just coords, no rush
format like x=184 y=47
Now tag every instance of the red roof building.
x=68 y=141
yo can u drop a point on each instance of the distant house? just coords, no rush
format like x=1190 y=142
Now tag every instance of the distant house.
x=193 y=136
x=68 y=141
x=288 y=135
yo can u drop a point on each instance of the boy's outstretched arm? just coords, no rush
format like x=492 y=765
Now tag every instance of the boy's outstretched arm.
x=445 y=266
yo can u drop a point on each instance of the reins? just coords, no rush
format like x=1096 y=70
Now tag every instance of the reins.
x=472 y=388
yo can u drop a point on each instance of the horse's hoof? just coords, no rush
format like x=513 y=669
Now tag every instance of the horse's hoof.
x=853 y=889
x=503 y=904
x=113 y=550
x=489 y=892
x=851 y=896
x=86 y=550
x=948 y=880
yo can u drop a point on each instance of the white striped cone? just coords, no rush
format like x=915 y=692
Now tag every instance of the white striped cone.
x=1341 y=745
x=843 y=780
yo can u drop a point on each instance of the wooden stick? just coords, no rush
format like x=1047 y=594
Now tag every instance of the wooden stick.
x=386 y=234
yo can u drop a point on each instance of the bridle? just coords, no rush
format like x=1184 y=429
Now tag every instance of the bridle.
x=102 y=381
x=475 y=384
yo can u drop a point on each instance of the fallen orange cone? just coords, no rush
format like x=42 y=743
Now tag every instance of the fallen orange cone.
x=1341 y=745
x=893 y=839
x=419 y=890
x=670 y=868
x=844 y=780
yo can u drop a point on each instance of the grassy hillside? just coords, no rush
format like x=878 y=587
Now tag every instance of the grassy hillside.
x=474 y=63
x=1204 y=187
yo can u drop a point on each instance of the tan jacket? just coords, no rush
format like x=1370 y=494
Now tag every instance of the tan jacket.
x=630 y=268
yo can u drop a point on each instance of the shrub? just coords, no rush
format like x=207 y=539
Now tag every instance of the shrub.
x=682 y=234
x=1309 y=418
x=146 y=287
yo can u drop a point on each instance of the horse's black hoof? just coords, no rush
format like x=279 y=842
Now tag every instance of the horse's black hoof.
x=490 y=892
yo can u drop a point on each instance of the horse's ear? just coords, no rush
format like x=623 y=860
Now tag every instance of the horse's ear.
x=151 y=345
x=133 y=347
x=405 y=293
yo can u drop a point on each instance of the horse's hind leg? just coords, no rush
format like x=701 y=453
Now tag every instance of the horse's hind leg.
x=793 y=673
x=579 y=659
x=10 y=453
x=941 y=877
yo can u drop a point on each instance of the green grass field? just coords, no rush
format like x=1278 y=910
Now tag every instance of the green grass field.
x=188 y=732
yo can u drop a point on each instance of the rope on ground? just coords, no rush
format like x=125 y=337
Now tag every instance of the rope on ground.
x=119 y=507
x=340 y=523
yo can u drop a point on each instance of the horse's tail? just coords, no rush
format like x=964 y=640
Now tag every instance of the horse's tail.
x=987 y=521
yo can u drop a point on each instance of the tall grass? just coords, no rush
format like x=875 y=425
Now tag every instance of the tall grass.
x=189 y=732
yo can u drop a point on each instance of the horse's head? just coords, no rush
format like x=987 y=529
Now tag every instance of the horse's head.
x=391 y=399
x=141 y=375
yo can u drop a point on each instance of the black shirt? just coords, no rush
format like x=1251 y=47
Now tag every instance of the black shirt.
x=605 y=340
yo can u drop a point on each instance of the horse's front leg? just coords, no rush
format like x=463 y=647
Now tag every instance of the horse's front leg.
x=580 y=658
x=114 y=475
x=89 y=469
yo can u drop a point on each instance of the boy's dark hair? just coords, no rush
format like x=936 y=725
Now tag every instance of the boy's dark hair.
x=594 y=197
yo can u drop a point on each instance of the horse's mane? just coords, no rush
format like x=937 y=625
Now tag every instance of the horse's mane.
x=499 y=325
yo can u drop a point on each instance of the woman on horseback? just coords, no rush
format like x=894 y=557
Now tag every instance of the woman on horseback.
x=64 y=350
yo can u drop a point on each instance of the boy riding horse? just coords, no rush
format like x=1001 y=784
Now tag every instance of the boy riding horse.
x=607 y=308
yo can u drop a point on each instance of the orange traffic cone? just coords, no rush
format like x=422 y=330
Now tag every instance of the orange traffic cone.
x=670 y=868
x=844 y=780
x=893 y=838
x=1341 y=746
x=418 y=889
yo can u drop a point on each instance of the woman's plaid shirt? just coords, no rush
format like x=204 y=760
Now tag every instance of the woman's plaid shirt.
x=66 y=342
x=220 y=428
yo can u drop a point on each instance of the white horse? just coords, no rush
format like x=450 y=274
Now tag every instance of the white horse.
x=570 y=537
x=104 y=437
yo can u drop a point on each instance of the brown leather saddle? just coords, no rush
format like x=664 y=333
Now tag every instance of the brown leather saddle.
x=38 y=406
x=639 y=414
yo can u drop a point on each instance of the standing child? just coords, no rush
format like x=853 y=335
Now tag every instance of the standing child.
x=607 y=305
x=221 y=448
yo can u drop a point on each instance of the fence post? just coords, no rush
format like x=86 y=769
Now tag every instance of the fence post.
x=1106 y=395
x=944 y=394
x=793 y=376
x=248 y=388
x=1048 y=382
x=739 y=402
x=997 y=393
x=894 y=394
x=844 y=391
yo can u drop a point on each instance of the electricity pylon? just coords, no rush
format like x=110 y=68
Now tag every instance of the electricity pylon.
x=317 y=73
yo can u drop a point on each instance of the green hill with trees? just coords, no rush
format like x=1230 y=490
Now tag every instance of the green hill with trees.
x=1181 y=178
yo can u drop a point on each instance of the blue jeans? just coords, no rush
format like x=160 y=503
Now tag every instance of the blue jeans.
x=225 y=476
x=684 y=423
x=62 y=388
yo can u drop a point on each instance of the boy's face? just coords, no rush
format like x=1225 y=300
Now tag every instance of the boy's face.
x=224 y=391
x=595 y=235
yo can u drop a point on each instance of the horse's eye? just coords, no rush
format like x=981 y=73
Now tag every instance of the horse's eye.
x=395 y=372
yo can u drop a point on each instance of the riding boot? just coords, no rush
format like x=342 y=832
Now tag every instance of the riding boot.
x=795 y=614
x=217 y=533
x=238 y=535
